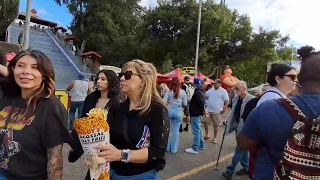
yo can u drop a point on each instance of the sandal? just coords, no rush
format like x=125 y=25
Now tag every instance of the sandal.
x=206 y=137
x=214 y=141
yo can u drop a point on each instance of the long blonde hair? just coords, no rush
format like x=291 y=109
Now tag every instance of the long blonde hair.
x=149 y=92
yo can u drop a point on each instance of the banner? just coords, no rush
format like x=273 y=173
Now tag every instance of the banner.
x=63 y=96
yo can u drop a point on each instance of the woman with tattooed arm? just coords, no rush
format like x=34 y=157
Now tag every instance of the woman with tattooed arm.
x=32 y=121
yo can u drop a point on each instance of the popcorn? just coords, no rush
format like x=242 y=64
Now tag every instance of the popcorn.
x=94 y=130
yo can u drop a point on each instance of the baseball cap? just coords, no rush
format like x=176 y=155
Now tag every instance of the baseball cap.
x=217 y=81
x=81 y=76
x=197 y=82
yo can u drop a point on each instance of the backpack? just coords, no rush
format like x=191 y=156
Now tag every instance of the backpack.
x=189 y=91
x=301 y=156
x=251 y=104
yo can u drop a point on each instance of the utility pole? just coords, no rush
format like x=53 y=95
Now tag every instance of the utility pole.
x=27 y=26
x=292 y=52
x=198 y=41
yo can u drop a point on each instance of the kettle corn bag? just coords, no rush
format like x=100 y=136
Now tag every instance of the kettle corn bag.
x=94 y=130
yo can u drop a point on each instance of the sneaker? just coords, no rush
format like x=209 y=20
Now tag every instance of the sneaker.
x=191 y=151
x=202 y=148
x=242 y=172
x=227 y=176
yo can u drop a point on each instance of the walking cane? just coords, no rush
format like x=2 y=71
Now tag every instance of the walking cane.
x=224 y=132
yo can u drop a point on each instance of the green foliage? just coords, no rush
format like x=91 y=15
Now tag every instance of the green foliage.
x=166 y=36
x=8 y=12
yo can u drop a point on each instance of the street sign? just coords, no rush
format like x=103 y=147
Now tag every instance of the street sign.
x=112 y=68
x=63 y=96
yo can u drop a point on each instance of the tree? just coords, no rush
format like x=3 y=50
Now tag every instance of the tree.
x=60 y=2
x=9 y=10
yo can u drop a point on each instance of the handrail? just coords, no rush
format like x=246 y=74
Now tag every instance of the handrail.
x=74 y=58
x=64 y=53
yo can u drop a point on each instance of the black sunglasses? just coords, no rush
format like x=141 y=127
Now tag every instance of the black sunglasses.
x=291 y=76
x=127 y=75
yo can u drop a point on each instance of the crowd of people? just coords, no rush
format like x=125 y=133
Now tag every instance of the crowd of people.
x=277 y=136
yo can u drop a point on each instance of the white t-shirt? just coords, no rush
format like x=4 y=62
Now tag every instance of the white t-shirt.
x=215 y=99
x=79 y=91
x=271 y=95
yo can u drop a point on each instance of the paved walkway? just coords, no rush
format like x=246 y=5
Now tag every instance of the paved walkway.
x=180 y=165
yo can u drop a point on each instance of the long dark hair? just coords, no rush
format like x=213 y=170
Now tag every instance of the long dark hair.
x=113 y=83
x=47 y=87
x=175 y=86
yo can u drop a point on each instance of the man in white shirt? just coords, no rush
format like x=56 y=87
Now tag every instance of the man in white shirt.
x=216 y=104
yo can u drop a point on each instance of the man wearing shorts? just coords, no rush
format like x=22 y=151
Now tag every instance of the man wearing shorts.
x=216 y=104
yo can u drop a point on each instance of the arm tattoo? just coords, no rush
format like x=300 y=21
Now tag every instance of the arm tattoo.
x=55 y=163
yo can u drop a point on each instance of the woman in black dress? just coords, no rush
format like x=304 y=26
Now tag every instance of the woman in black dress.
x=139 y=131
x=107 y=96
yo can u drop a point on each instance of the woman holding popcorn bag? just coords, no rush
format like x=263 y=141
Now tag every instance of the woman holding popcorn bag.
x=139 y=134
x=106 y=97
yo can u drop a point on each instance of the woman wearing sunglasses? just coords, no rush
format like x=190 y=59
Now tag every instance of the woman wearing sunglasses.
x=106 y=96
x=33 y=131
x=139 y=133
x=283 y=79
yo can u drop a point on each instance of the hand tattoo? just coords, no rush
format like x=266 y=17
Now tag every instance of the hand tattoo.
x=55 y=163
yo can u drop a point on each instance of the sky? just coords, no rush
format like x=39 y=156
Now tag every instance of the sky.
x=289 y=16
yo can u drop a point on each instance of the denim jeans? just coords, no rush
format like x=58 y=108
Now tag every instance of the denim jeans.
x=239 y=156
x=2 y=176
x=175 y=117
x=72 y=112
x=150 y=175
x=198 y=141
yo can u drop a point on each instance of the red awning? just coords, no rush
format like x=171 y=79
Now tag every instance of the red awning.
x=38 y=20
x=72 y=38
x=91 y=53
x=10 y=56
x=162 y=78
x=177 y=73
x=61 y=28
x=201 y=76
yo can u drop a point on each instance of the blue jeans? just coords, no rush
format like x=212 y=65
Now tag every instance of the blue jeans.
x=198 y=141
x=175 y=117
x=72 y=112
x=239 y=156
x=2 y=176
x=150 y=175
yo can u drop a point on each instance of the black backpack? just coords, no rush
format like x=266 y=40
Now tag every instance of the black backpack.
x=251 y=104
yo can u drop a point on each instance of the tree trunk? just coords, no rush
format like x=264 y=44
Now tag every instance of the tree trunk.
x=83 y=45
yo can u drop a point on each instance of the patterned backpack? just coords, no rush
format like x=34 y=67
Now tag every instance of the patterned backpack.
x=301 y=156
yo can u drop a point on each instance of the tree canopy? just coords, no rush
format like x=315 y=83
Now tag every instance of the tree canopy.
x=166 y=36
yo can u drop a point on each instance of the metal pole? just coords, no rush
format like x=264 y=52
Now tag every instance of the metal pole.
x=292 y=52
x=27 y=26
x=198 y=39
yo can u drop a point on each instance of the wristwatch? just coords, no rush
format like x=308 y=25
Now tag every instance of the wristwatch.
x=125 y=155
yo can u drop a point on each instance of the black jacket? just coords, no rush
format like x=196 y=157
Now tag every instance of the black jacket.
x=90 y=103
x=197 y=102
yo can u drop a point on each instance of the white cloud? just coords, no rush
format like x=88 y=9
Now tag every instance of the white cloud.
x=42 y=11
x=293 y=17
